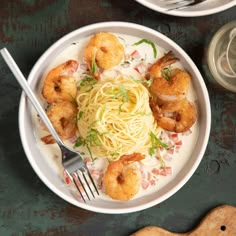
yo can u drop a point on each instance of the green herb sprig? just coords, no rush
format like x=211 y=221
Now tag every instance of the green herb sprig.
x=92 y=139
x=166 y=73
x=79 y=115
x=144 y=81
x=87 y=82
x=156 y=143
x=149 y=43
x=94 y=66
x=122 y=93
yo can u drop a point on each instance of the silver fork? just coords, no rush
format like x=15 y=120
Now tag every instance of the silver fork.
x=71 y=160
x=180 y=4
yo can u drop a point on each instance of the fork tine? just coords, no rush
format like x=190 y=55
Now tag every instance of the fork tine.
x=74 y=176
x=180 y=2
x=83 y=185
x=181 y=7
x=82 y=171
x=91 y=178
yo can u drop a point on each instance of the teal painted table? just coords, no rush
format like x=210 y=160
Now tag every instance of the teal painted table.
x=27 y=206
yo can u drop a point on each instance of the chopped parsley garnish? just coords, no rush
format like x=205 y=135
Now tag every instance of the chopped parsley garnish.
x=144 y=81
x=150 y=43
x=125 y=63
x=80 y=142
x=94 y=67
x=79 y=116
x=122 y=93
x=92 y=139
x=87 y=82
x=114 y=155
x=149 y=82
x=73 y=99
x=156 y=143
x=166 y=73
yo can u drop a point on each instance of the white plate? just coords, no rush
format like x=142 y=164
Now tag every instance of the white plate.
x=205 y=8
x=53 y=179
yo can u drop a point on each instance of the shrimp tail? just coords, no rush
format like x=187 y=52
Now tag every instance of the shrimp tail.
x=168 y=59
x=127 y=159
x=156 y=110
x=71 y=67
x=66 y=69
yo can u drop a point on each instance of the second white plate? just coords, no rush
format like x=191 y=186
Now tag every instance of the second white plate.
x=205 y=8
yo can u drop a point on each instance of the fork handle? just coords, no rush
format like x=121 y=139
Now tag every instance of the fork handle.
x=28 y=91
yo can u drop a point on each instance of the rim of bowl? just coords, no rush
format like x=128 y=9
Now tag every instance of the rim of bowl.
x=186 y=13
x=204 y=141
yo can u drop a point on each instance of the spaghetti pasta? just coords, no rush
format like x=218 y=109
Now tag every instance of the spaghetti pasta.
x=115 y=117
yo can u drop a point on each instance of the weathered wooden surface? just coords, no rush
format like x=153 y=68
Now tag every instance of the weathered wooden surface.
x=27 y=206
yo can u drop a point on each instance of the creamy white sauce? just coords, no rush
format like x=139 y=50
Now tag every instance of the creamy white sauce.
x=75 y=51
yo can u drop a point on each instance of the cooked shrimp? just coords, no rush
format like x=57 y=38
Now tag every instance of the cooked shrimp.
x=62 y=115
x=168 y=85
x=105 y=49
x=122 y=178
x=59 y=85
x=176 y=116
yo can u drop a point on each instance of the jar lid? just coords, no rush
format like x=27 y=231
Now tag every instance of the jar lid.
x=217 y=47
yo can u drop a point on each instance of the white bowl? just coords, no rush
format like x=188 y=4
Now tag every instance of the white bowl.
x=53 y=180
x=205 y=8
